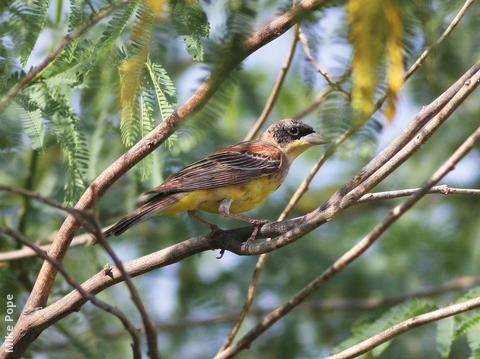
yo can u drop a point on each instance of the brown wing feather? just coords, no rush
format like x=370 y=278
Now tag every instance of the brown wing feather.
x=231 y=165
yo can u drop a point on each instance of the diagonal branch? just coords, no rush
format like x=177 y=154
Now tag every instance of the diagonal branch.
x=309 y=306
x=442 y=189
x=405 y=326
x=276 y=88
x=84 y=293
x=135 y=296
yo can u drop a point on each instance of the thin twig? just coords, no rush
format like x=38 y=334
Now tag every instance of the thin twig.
x=276 y=88
x=353 y=253
x=304 y=186
x=405 y=326
x=442 y=189
x=135 y=296
x=67 y=40
x=86 y=294
x=334 y=84
x=80 y=215
x=447 y=31
x=321 y=96
x=26 y=252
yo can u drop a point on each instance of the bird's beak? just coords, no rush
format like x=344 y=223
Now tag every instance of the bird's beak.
x=314 y=138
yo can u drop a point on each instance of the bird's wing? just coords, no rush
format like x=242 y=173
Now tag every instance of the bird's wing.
x=231 y=165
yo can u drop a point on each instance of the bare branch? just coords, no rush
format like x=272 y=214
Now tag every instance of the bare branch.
x=447 y=31
x=80 y=215
x=407 y=325
x=276 y=88
x=84 y=293
x=320 y=70
x=147 y=322
x=442 y=189
x=26 y=252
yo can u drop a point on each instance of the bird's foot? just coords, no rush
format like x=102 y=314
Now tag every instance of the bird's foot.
x=257 y=223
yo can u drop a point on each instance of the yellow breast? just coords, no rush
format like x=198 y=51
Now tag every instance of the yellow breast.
x=245 y=196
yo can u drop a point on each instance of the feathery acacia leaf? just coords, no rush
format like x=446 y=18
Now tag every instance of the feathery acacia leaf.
x=375 y=32
x=147 y=123
x=445 y=336
x=391 y=317
x=35 y=18
x=117 y=24
x=164 y=88
x=190 y=22
x=64 y=124
x=32 y=119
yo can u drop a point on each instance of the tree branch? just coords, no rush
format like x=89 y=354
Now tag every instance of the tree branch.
x=147 y=322
x=405 y=326
x=85 y=294
x=442 y=189
x=276 y=88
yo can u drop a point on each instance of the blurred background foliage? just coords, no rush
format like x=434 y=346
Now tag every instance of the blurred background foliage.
x=128 y=73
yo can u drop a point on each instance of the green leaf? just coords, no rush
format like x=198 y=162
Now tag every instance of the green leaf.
x=194 y=47
x=35 y=20
x=393 y=316
x=473 y=339
x=32 y=120
x=117 y=24
x=445 y=336
x=64 y=124
x=164 y=88
x=465 y=326
x=147 y=123
x=191 y=23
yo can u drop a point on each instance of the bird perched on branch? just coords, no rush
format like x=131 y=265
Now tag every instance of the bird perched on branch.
x=232 y=180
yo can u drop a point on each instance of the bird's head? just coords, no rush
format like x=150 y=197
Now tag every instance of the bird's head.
x=292 y=137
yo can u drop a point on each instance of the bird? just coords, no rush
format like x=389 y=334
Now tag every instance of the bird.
x=230 y=181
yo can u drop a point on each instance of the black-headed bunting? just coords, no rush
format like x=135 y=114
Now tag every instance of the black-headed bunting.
x=230 y=181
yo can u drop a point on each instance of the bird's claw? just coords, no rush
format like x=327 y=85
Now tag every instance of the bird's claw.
x=256 y=227
x=214 y=229
x=221 y=253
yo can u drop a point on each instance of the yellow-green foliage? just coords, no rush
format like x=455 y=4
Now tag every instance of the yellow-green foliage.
x=376 y=32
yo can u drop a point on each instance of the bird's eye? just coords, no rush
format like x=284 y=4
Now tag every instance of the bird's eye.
x=294 y=131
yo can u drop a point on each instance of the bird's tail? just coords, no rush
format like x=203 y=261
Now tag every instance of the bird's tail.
x=149 y=209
